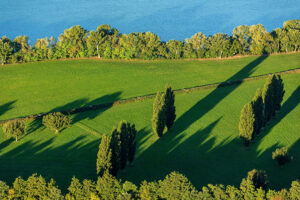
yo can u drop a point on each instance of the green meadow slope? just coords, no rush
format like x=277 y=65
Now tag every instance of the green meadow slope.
x=58 y=85
x=203 y=143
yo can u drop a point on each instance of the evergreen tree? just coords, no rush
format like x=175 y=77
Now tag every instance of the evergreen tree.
x=278 y=92
x=169 y=99
x=246 y=124
x=159 y=116
x=104 y=156
x=132 y=143
x=116 y=151
x=258 y=107
x=268 y=99
x=123 y=129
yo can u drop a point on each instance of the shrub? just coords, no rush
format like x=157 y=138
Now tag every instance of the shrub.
x=280 y=155
x=15 y=128
x=56 y=121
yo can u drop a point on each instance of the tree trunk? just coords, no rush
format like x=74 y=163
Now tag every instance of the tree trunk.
x=16 y=138
x=56 y=131
x=98 y=51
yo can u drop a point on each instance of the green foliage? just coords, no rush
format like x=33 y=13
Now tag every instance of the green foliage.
x=159 y=115
x=246 y=124
x=108 y=187
x=148 y=190
x=176 y=186
x=169 y=100
x=280 y=155
x=104 y=156
x=278 y=92
x=80 y=191
x=3 y=190
x=295 y=190
x=268 y=98
x=6 y=50
x=56 y=121
x=15 y=128
x=258 y=107
x=116 y=151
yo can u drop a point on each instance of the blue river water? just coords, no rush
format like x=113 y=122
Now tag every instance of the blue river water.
x=170 y=19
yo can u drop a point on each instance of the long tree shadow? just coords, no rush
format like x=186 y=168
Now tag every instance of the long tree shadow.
x=288 y=106
x=212 y=99
x=74 y=158
x=6 y=107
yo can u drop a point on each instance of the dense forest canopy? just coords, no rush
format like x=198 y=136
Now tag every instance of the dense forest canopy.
x=108 y=42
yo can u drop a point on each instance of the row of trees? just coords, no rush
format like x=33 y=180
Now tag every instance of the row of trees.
x=107 y=42
x=116 y=150
x=163 y=111
x=259 y=111
x=54 y=121
x=174 y=186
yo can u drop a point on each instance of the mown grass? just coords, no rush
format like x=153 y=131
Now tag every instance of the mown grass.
x=203 y=143
x=47 y=86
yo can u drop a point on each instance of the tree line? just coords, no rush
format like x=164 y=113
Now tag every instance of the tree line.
x=108 y=42
x=174 y=186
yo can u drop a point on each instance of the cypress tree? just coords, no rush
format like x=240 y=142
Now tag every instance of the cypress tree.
x=278 y=92
x=116 y=151
x=123 y=129
x=268 y=99
x=258 y=107
x=104 y=162
x=169 y=100
x=132 y=143
x=159 y=118
x=246 y=124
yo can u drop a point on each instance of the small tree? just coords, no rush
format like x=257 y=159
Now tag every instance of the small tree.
x=159 y=115
x=170 y=109
x=56 y=121
x=280 y=155
x=104 y=156
x=258 y=107
x=15 y=128
x=259 y=178
x=246 y=124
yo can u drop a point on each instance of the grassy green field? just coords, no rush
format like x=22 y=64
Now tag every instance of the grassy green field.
x=47 y=86
x=202 y=144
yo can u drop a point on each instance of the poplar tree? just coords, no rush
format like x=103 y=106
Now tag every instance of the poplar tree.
x=159 y=115
x=104 y=156
x=169 y=100
x=123 y=129
x=258 y=107
x=267 y=96
x=278 y=92
x=246 y=124
x=132 y=143
x=116 y=151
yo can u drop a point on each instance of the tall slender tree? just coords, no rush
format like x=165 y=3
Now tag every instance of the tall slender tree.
x=278 y=92
x=169 y=100
x=159 y=115
x=132 y=143
x=116 y=151
x=246 y=124
x=104 y=156
x=258 y=107
x=267 y=96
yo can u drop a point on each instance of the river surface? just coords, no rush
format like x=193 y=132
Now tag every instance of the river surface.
x=170 y=19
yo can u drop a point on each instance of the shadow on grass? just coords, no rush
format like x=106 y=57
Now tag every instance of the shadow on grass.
x=6 y=107
x=212 y=99
x=74 y=158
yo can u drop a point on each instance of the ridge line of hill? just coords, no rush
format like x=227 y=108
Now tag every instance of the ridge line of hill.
x=150 y=96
